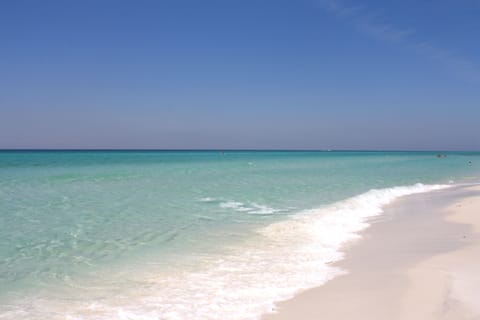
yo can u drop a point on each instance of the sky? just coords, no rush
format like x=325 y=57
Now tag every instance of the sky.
x=240 y=74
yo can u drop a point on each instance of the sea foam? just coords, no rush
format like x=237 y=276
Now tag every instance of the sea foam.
x=251 y=208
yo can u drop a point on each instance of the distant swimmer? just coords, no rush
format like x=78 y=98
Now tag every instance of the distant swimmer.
x=469 y=163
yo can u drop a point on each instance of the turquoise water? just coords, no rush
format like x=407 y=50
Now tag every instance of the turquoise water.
x=140 y=234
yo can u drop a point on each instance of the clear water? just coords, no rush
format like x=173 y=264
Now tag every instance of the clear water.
x=189 y=235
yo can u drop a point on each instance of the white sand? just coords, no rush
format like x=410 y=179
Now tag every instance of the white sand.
x=447 y=286
x=420 y=261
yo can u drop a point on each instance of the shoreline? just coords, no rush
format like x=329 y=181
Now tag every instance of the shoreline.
x=415 y=261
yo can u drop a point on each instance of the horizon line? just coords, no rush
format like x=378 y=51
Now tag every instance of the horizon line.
x=232 y=150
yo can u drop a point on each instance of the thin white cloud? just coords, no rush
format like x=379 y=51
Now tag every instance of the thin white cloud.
x=457 y=65
x=366 y=21
x=377 y=26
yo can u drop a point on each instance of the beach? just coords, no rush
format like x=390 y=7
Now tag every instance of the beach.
x=419 y=260
x=207 y=235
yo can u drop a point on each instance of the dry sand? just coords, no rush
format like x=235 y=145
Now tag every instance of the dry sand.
x=420 y=260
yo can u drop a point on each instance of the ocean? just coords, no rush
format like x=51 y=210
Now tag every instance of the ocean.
x=191 y=234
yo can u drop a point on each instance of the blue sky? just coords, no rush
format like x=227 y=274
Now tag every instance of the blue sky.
x=222 y=74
